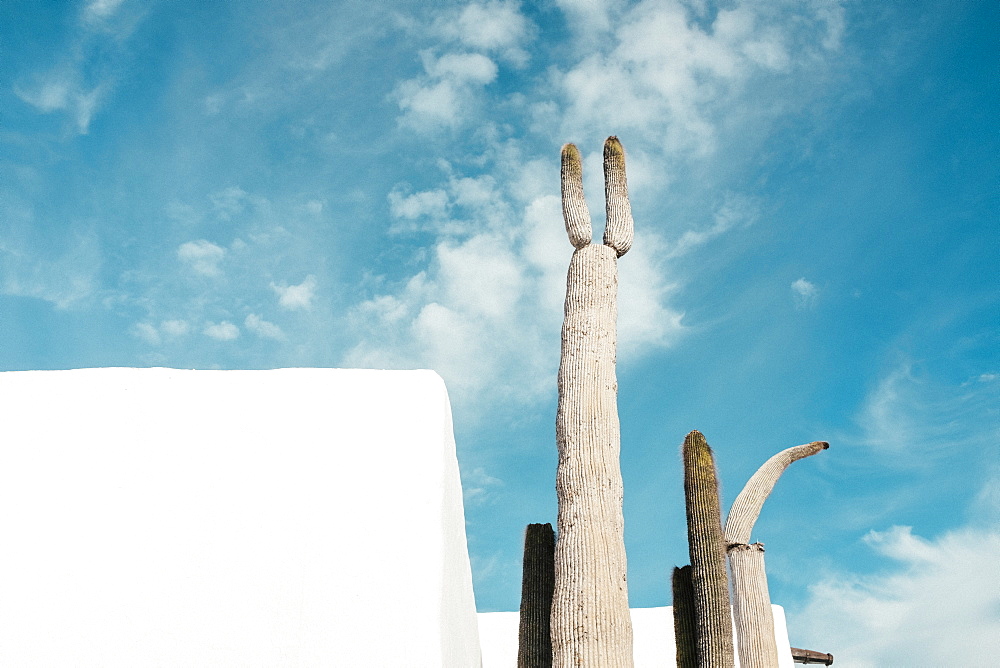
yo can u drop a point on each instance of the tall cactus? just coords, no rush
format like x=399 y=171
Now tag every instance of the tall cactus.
x=590 y=623
x=713 y=617
x=751 y=600
x=534 y=647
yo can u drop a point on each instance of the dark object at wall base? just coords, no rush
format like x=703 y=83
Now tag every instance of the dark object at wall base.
x=809 y=656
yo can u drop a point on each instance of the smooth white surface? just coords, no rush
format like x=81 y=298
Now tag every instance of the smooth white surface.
x=498 y=638
x=652 y=638
x=296 y=517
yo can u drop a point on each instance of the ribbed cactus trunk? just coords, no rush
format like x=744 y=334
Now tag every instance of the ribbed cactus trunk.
x=685 y=631
x=534 y=647
x=713 y=617
x=751 y=600
x=752 y=614
x=590 y=623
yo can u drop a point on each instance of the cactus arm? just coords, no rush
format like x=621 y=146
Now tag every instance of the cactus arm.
x=713 y=616
x=751 y=599
x=534 y=647
x=685 y=633
x=618 y=231
x=746 y=508
x=575 y=211
x=590 y=621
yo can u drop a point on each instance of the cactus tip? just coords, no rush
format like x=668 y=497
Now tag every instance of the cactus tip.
x=612 y=146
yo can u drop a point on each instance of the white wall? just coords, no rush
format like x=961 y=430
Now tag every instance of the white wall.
x=652 y=638
x=296 y=517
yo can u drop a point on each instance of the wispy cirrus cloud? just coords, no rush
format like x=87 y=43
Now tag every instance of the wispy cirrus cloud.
x=63 y=90
x=910 y=410
x=101 y=9
x=63 y=270
x=263 y=328
x=82 y=75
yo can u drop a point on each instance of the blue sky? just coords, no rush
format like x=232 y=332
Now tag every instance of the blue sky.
x=815 y=190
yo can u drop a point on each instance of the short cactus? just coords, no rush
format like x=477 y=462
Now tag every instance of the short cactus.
x=685 y=633
x=590 y=623
x=713 y=617
x=534 y=648
x=751 y=600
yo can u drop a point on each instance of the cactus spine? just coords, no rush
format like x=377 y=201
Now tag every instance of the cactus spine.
x=713 y=618
x=590 y=622
x=534 y=648
x=751 y=600
x=685 y=633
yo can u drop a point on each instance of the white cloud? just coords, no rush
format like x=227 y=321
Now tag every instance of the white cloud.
x=297 y=297
x=463 y=206
x=481 y=277
x=223 y=331
x=203 y=257
x=228 y=202
x=175 y=328
x=205 y=282
x=101 y=9
x=938 y=605
x=468 y=317
x=471 y=68
x=805 y=292
x=492 y=26
x=263 y=328
x=486 y=312
x=644 y=319
x=680 y=83
x=428 y=203
x=589 y=17
x=447 y=93
x=169 y=329
x=147 y=333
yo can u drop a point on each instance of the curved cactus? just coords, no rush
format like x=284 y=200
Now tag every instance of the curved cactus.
x=685 y=633
x=534 y=647
x=590 y=623
x=713 y=617
x=751 y=600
